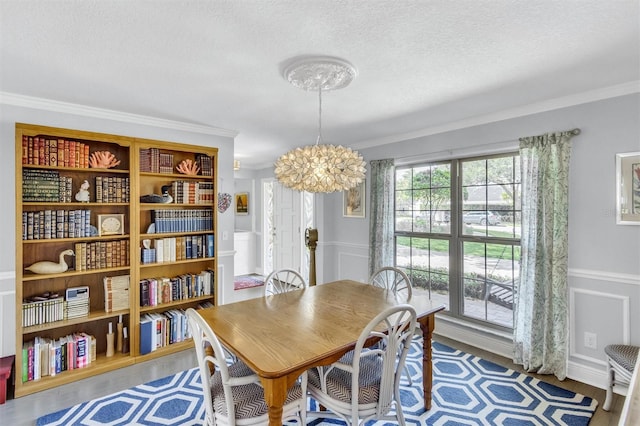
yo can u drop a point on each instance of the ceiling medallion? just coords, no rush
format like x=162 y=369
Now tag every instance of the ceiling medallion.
x=320 y=167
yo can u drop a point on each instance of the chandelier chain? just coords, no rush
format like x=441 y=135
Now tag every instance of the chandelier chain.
x=319 y=116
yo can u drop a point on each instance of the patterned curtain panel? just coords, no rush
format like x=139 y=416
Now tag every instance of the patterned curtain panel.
x=381 y=217
x=541 y=314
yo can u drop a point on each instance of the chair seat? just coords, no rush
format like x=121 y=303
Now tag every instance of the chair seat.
x=248 y=399
x=339 y=381
x=623 y=355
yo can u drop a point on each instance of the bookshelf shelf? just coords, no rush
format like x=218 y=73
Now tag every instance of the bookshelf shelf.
x=53 y=216
x=165 y=306
x=176 y=262
x=73 y=240
x=76 y=169
x=102 y=364
x=72 y=204
x=173 y=176
x=35 y=277
x=93 y=316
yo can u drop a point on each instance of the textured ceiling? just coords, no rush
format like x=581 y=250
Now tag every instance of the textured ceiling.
x=421 y=64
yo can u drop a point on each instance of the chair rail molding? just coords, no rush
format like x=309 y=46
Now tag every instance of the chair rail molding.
x=605 y=276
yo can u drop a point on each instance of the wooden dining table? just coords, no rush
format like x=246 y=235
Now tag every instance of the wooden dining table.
x=282 y=336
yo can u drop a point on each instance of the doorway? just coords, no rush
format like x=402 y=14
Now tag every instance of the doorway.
x=287 y=213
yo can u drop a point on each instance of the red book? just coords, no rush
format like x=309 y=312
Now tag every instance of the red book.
x=41 y=152
x=66 y=153
x=36 y=151
x=25 y=149
x=53 y=152
x=85 y=160
x=60 y=152
x=30 y=150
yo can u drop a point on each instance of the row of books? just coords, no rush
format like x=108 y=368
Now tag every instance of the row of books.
x=50 y=307
x=154 y=161
x=161 y=290
x=116 y=293
x=46 y=186
x=166 y=328
x=205 y=163
x=51 y=224
x=112 y=189
x=182 y=220
x=171 y=249
x=42 y=309
x=185 y=192
x=162 y=329
x=101 y=254
x=48 y=357
x=53 y=151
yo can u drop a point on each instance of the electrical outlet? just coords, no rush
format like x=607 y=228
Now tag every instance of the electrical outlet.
x=225 y=235
x=590 y=340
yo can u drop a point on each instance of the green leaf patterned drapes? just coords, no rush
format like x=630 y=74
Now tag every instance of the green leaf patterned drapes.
x=381 y=218
x=541 y=314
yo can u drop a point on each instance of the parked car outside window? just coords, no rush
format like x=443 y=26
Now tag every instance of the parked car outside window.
x=481 y=218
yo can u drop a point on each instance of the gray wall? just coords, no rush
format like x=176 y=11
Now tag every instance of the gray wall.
x=104 y=122
x=604 y=258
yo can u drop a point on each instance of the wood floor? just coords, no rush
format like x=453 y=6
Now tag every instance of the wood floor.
x=25 y=410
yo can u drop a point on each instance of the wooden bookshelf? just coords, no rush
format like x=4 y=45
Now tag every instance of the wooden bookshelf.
x=113 y=192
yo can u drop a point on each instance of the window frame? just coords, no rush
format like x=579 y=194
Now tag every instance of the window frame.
x=455 y=236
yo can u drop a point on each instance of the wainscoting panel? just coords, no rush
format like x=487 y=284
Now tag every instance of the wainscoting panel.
x=7 y=313
x=353 y=265
x=584 y=306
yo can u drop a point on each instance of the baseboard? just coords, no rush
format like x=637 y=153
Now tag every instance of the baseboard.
x=500 y=344
x=474 y=335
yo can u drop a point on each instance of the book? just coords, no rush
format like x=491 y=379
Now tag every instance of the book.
x=146 y=334
x=116 y=293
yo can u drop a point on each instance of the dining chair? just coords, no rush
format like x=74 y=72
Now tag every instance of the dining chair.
x=397 y=281
x=233 y=394
x=621 y=361
x=283 y=280
x=365 y=383
x=394 y=279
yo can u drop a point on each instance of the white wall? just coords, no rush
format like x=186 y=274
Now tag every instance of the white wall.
x=78 y=118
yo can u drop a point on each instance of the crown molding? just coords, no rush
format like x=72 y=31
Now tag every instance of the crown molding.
x=107 y=114
x=524 y=110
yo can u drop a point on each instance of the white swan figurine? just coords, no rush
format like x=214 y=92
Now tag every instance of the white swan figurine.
x=48 y=267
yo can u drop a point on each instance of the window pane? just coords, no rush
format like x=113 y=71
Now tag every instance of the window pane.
x=426 y=261
x=421 y=177
x=404 y=221
x=403 y=179
x=500 y=170
x=490 y=272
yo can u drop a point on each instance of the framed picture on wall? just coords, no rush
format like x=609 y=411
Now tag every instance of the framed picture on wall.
x=242 y=203
x=353 y=202
x=628 y=188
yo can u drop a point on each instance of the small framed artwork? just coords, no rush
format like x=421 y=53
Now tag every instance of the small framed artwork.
x=242 y=203
x=353 y=201
x=628 y=188
x=110 y=224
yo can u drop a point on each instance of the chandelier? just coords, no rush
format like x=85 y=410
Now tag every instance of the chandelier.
x=320 y=167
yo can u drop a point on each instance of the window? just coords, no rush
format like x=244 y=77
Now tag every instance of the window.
x=457 y=234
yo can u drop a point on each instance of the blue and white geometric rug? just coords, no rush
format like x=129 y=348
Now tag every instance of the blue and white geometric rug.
x=467 y=390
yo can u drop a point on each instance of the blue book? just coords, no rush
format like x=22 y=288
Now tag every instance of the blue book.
x=210 y=243
x=146 y=332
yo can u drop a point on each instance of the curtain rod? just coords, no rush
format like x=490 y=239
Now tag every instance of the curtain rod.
x=574 y=132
